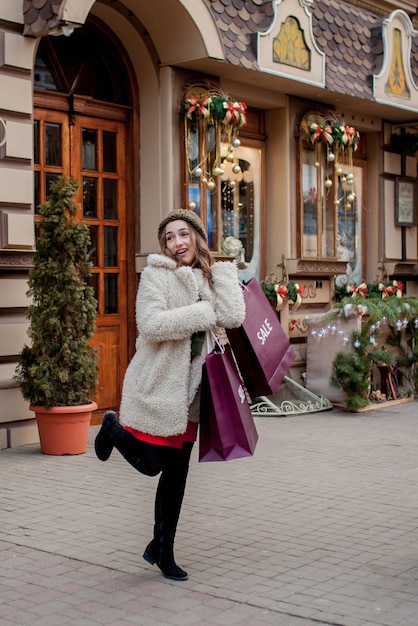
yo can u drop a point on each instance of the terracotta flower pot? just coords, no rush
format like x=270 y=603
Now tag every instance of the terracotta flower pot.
x=64 y=429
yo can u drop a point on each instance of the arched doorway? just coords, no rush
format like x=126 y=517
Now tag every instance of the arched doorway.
x=82 y=117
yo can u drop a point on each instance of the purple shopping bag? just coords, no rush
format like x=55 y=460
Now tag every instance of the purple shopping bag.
x=227 y=430
x=262 y=350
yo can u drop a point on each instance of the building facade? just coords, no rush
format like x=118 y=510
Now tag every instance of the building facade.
x=145 y=103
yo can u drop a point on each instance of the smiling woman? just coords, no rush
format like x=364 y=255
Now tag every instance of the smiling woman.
x=183 y=294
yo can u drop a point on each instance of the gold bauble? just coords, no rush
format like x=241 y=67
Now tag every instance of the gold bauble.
x=192 y=206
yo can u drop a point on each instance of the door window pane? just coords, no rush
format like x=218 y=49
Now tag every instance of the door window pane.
x=89 y=150
x=52 y=144
x=110 y=246
x=109 y=199
x=89 y=197
x=93 y=282
x=111 y=293
x=93 y=244
x=109 y=151
x=49 y=179
x=36 y=200
x=36 y=142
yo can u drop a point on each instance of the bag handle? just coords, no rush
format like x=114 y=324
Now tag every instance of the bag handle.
x=243 y=284
x=218 y=344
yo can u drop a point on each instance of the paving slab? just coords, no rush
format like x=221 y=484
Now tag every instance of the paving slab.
x=318 y=527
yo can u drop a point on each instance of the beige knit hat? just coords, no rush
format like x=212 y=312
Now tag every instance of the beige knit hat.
x=188 y=216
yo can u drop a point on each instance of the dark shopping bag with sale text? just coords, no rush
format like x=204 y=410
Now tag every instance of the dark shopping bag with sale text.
x=227 y=430
x=262 y=350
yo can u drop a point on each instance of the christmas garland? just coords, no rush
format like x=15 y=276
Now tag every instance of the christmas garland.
x=381 y=289
x=228 y=111
x=340 y=135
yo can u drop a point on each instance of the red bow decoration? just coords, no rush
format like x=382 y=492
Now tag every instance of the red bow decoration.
x=361 y=290
x=387 y=291
x=321 y=133
x=396 y=288
x=200 y=105
x=236 y=113
x=349 y=135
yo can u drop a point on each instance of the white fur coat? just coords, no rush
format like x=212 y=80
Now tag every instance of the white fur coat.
x=173 y=303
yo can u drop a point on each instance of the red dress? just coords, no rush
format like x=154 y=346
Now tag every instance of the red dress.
x=173 y=441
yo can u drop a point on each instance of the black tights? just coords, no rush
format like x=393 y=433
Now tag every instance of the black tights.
x=173 y=463
x=149 y=458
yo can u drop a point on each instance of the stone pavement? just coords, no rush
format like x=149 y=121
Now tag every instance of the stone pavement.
x=319 y=527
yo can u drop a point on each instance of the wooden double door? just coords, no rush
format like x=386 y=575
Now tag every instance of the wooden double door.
x=92 y=150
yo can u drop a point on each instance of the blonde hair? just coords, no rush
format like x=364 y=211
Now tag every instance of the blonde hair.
x=204 y=257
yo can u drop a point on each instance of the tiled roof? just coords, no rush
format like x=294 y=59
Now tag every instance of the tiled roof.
x=238 y=22
x=40 y=16
x=350 y=37
x=414 y=56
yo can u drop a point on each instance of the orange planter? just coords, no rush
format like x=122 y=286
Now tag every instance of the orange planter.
x=64 y=429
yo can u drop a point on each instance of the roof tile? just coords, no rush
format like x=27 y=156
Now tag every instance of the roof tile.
x=350 y=36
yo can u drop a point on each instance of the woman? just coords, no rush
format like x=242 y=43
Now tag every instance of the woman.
x=183 y=293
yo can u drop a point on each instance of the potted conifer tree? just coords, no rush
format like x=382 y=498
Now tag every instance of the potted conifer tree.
x=57 y=372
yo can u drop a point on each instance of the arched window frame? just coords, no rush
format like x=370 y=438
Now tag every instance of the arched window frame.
x=331 y=189
x=223 y=173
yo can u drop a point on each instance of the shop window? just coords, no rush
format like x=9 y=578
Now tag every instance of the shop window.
x=331 y=181
x=222 y=174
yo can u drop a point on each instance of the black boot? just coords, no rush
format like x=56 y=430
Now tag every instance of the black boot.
x=166 y=563
x=103 y=444
x=168 y=501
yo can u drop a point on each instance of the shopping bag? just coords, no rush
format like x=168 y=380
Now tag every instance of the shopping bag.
x=262 y=350
x=227 y=430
